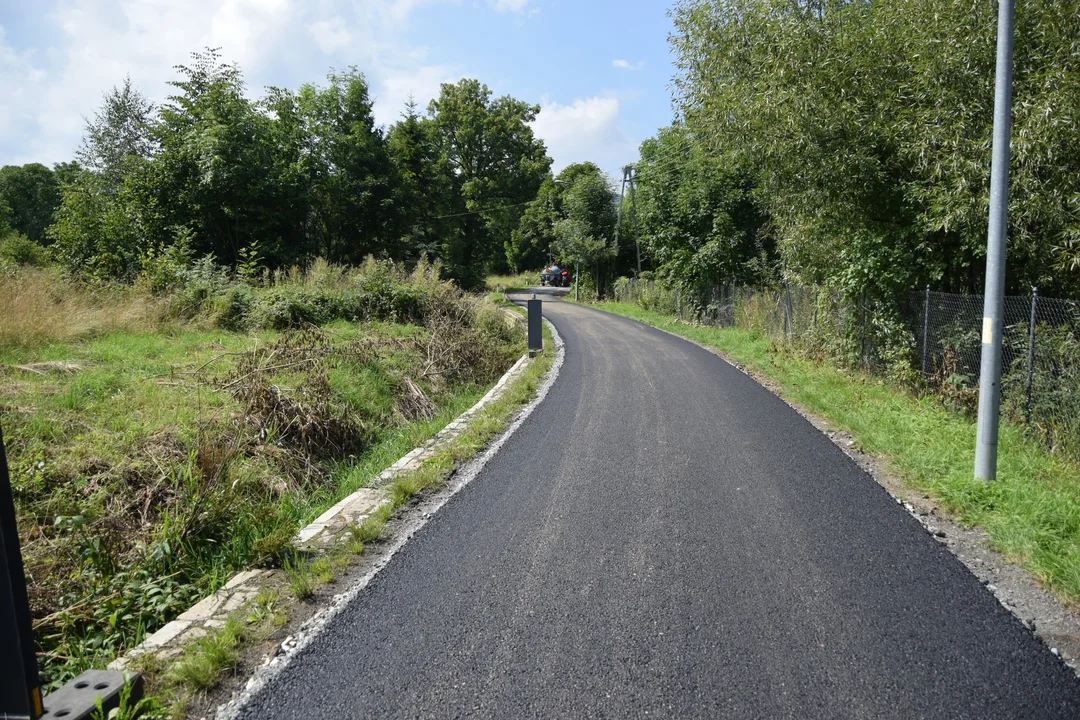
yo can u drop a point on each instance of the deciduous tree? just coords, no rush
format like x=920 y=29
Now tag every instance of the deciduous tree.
x=497 y=165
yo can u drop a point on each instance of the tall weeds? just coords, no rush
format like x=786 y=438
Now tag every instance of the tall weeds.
x=39 y=306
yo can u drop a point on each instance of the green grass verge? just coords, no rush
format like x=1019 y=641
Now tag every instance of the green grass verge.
x=1031 y=513
x=512 y=283
x=143 y=482
x=172 y=686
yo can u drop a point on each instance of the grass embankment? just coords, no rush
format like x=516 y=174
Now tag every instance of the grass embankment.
x=173 y=685
x=512 y=283
x=155 y=452
x=1031 y=513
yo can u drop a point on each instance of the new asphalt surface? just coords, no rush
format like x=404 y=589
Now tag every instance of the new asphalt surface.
x=665 y=538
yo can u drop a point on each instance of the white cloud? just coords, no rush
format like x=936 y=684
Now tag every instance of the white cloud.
x=330 y=35
x=17 y=77
x=98 y=42
x=93 y=44
x=420 y=84
x=509 y=5
x=624 y=65
x=586 y=129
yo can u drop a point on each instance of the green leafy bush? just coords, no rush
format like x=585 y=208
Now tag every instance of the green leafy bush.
x=164 y=269
x=21 y=250
x=232 y=308
x=371 y=299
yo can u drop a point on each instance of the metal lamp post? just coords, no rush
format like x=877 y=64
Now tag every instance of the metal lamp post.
x=986 y=438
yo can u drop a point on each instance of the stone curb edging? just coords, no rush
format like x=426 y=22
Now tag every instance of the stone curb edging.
x=319 y=536
x=357 y=507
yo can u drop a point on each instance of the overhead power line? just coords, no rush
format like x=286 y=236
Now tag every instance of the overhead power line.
x=477 y=212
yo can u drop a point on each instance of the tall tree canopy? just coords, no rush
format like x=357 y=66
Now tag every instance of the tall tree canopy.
x=295 y=175
x=867 y=126
x=530 y=242
x=496 y=164
x=424 y=182
x=213 y=174
x=119 y=136
x=29 y=195
x=585 y=236
x=344 y=164
x=698 y=217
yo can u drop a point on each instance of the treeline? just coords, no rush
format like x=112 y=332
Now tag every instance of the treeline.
x=278 y=181
x=846 y=143
x=573 y=222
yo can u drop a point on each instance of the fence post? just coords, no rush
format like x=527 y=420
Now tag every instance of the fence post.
x=734 y=305
x=787 y=312
x=926 y=330
x=1030 y=355
x=864 y=354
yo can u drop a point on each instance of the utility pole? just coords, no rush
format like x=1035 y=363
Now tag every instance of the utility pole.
x=629 y=174
x=618 y=211
x=986 y=437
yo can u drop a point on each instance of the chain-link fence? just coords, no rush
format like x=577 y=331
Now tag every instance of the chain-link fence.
x=817 y=321
x=935 y=335
x=1040 y=363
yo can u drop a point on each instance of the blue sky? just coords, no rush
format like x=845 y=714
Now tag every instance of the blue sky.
x=599 y=69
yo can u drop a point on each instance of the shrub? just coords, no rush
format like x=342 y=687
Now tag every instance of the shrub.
x=164 y=269
x=21 y=250
x=233 y=307
x=97 y=232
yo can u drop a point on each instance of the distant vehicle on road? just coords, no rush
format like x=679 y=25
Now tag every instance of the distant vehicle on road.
x=555 y=276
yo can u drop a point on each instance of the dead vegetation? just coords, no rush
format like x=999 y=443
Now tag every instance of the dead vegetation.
x=308 y=418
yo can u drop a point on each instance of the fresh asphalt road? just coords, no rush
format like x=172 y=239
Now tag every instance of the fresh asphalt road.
x=665 y=538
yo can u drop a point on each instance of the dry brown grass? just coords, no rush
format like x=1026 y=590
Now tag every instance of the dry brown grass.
x=39 y=306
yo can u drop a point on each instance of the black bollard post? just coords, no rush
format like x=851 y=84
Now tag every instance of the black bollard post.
x=536 y=332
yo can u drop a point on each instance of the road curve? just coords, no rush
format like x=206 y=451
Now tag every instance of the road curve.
x=665 y=538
